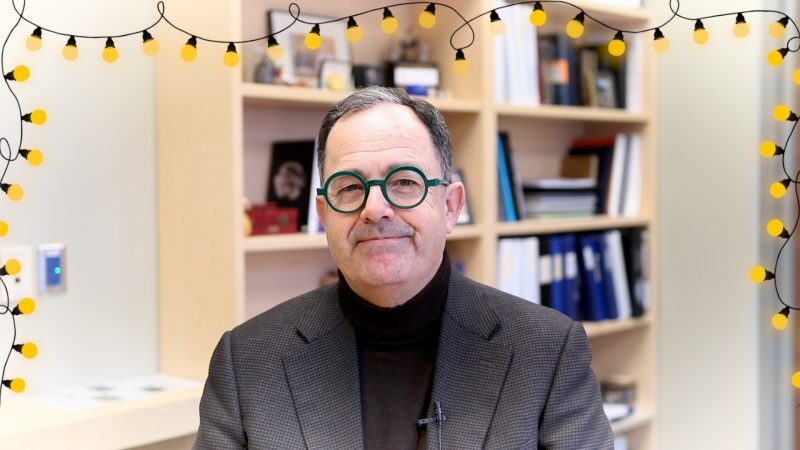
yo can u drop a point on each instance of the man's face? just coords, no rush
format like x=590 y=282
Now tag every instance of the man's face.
x=381 y=247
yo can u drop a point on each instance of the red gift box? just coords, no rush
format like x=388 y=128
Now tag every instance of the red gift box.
x=271 y=219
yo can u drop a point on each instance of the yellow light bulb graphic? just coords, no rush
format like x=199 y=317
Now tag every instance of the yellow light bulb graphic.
x=778 y=188
x=575 y=26
x=796 y=380
x=782 y=113
x=17 y=385
x=231 y=58
x=796 y=76
x=189 y=50
x=777 y=28
x=28 y=350
x=741 y=29
x=496 y=24
x=110 y=53
x=19 y=74
x=34 y=157
x=768 y=149
x=70 y=51
x=758 y=274
x=660 y=42
x=274 y=50
x=13 y=191
x=354 y=32
x=26 y=306
x=617 y=45
x=150 y=46
x=775 y=228
x=313 y=38
x=700 y=35
x=3 y=228
x=460 y=65
x=389 y=23
x=34 y=41
x=781 y=320
x=12 y=267
x=427 y=18
x=775 y=57
x=538 y=17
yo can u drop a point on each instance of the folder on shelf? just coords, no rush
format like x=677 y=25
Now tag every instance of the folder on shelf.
x=510 y=266
x=600 y=246
x=616 y=178
x=504 y=180
x=634 y=268
x=593 y=297
x=571 y=279
x=545 y=271
x=631 y=204
x=619 y=276
x=530 y=269
x=558 y=296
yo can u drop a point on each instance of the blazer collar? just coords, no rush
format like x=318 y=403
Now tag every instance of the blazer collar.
x=468 y=378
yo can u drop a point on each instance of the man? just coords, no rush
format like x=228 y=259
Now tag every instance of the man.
x=403 y=352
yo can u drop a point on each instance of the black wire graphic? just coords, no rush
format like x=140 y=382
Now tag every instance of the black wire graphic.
x=295 y=12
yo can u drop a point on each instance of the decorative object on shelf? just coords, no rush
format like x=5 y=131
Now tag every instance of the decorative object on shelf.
x=271 y=219
x=415 y=78
x=302 y=66
x=368 y=75
x=291 y=168
x=247 y=222
x=336 y=75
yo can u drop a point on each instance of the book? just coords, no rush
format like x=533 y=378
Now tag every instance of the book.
x=289 y=182
x=504 y=179
x=530 y=270
x=632 y=190
x=558 y=296
x=603 y=147
x=545 y=271
x=619 y=275
x=593 y=299
x=571 y=279
x=510 y=266
x=619 y=155
x=514 y=176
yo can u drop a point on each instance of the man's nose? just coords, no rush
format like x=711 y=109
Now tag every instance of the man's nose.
x=376 y=207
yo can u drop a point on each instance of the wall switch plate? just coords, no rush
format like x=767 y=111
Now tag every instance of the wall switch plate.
x=22 y=284
x=51 y=269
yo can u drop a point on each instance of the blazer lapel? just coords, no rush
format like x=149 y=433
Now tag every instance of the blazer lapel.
x=324 y=381
x=470 y=369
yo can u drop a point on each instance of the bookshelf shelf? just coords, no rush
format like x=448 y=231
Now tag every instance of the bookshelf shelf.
x=545 y=226
x=637 y=420
x=609 y=327
x=573 y=113
x=303 y=241
x=256 y=94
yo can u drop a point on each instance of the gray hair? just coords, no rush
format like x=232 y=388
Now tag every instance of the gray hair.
x=372 y=96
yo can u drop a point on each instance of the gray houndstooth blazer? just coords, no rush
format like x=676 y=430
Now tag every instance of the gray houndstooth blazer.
x=509 y=375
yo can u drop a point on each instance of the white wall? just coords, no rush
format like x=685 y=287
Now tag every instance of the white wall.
x=95 y=193
x=712 y=116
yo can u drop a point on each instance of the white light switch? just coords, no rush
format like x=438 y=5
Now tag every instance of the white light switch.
x=22 y=284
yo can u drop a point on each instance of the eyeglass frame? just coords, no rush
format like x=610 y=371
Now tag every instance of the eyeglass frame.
x=367 y=184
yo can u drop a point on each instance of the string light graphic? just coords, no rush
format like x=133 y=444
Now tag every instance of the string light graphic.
x=428 y=12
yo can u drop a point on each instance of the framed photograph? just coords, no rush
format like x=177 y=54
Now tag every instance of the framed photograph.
x=300 y=65
x=336 y=75
x=465 y=218
x=606 y=92
x=289 y=183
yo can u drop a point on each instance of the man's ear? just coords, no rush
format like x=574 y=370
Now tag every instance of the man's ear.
x=322 y=210
x=454 y=203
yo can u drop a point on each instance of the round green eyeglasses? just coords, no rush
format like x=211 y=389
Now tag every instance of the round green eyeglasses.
x=404 y=187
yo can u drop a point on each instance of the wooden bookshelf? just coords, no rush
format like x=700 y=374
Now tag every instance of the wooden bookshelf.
x=214 y=128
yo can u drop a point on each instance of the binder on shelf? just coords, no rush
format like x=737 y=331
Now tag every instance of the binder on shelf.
x=633 y=254
x=615 y=182
x=530 y=270
x=619 y=276
x=504 y=179
x=601 y=247
x=632 y=190
x=545 y=271
x=510 y=266
x=558 y=296
x=571 y=279
x=593 y=298
x=514 y=176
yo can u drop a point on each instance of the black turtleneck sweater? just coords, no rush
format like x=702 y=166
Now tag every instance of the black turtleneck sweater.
x=396 y=356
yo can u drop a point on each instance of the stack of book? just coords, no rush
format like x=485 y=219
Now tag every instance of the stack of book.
x=598 y=176
x=586 y=276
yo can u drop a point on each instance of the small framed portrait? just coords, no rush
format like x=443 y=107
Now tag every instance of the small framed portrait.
x=606 y=90
x=300 y=65
x=465 y=218
x=336 y=75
